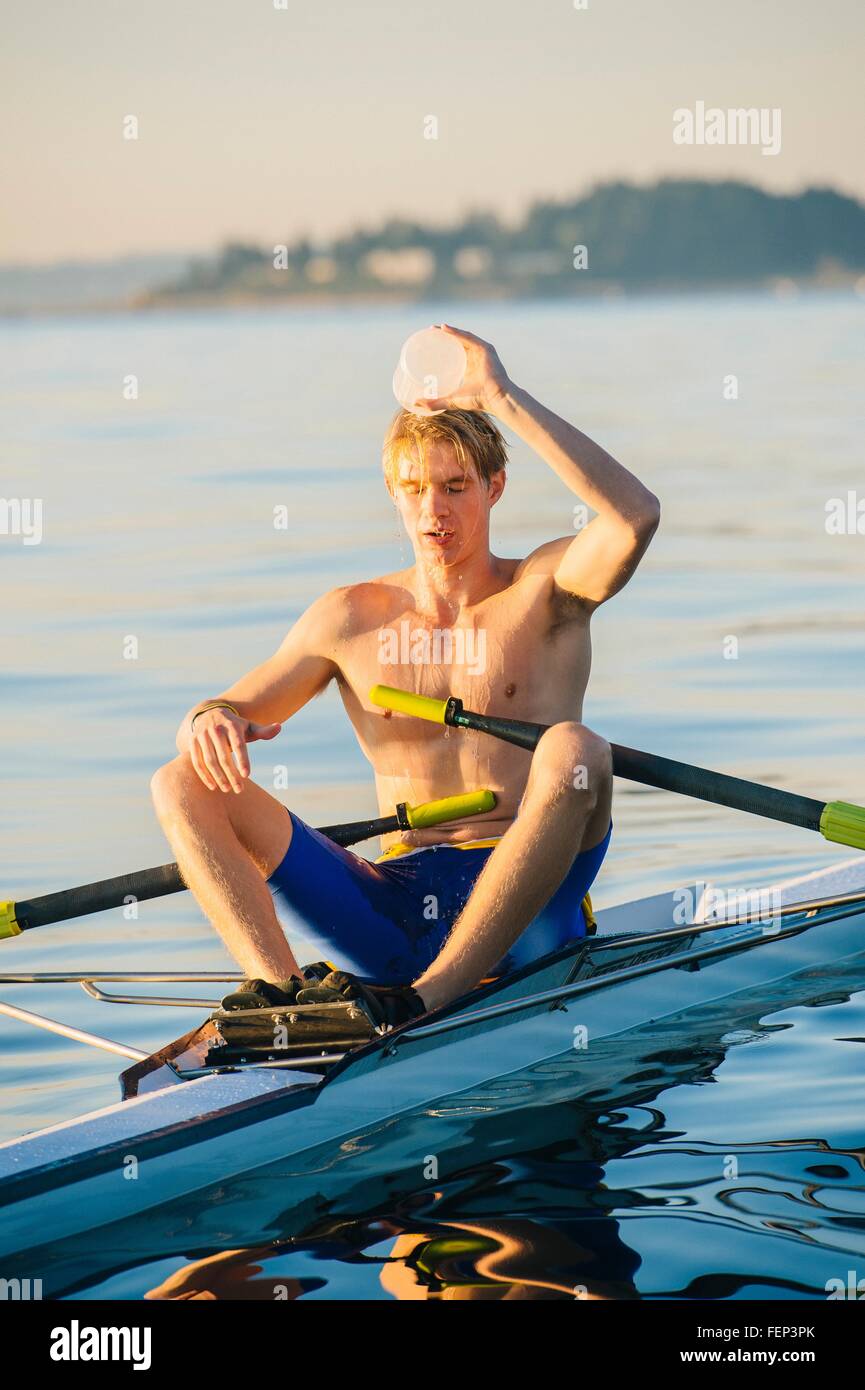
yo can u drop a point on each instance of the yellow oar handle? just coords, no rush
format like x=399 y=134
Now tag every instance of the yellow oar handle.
x=405 y=702
x=843 y=824
x=450 y=808
x=8 y=923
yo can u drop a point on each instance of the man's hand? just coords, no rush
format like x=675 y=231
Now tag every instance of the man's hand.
x=485 y=379
x=217 y=747
x=384 y=1005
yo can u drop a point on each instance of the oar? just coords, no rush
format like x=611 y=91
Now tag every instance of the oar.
x=839 y=821
x=165 y=878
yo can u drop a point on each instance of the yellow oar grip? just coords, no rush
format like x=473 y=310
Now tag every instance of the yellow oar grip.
x=450 y=807
x=8 y=924
x=844 y=824
x=405 y=702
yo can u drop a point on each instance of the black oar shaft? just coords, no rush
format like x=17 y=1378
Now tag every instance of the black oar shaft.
x=96 y=897
x=155 y=883
x=664 y=773
x=165 y=878
x=718 y=787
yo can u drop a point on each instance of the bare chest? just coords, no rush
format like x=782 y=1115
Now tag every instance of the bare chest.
x=516 y=654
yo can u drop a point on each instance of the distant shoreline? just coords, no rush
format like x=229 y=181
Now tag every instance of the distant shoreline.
x=777 y=287
x=620 y=240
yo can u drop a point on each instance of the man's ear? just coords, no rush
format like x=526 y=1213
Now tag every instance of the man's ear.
x=496 y=486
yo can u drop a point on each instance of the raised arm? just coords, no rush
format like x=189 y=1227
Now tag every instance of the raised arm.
x=263 y=699
x=600 y=559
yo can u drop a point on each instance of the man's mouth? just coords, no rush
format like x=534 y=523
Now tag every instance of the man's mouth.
x=439 y=536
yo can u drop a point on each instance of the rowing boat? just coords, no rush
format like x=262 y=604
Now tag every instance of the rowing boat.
x=256 y=1128
x=206 y=1121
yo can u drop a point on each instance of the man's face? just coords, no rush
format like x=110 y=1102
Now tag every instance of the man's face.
x=444 y=505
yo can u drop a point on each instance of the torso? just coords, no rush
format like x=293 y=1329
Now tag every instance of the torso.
x=524 y=652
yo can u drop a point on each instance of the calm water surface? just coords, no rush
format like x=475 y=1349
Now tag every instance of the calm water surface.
x=161 y=577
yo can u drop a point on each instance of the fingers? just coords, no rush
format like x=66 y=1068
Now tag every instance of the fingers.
x=218 y=750
x=238 y=750
x=211 y=757
x=226 y=773
x=198 y=764
x=463 y=333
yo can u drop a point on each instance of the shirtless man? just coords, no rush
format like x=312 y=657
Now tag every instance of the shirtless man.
x=427 y=923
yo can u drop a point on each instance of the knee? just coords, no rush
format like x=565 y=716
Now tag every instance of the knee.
x=571 y=757
x=170 y=784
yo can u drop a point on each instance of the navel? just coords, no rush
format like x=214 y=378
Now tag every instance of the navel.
x=510 y=689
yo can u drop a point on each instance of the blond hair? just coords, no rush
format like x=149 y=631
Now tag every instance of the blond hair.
x=474 y=436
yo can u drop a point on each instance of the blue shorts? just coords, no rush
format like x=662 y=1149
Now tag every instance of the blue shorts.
x=387 y=922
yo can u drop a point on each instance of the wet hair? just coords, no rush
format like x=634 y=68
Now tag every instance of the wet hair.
x=474 y=436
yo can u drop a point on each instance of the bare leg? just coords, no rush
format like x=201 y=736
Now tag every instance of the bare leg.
x=226 y=846
x=556 y=821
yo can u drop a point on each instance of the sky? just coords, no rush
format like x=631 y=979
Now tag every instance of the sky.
x=258 y=123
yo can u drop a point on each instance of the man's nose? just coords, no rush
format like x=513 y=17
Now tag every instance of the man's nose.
x=435 y=502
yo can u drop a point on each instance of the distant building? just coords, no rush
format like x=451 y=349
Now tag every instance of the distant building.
x=413 y=265
x=473 y=262
x=535 y=263
x=321 y=270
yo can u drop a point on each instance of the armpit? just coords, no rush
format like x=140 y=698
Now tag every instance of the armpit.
x=566 y=608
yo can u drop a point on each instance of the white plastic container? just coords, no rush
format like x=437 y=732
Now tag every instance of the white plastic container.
x=431 y=364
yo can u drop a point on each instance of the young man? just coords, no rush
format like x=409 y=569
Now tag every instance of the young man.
x=451 y=904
